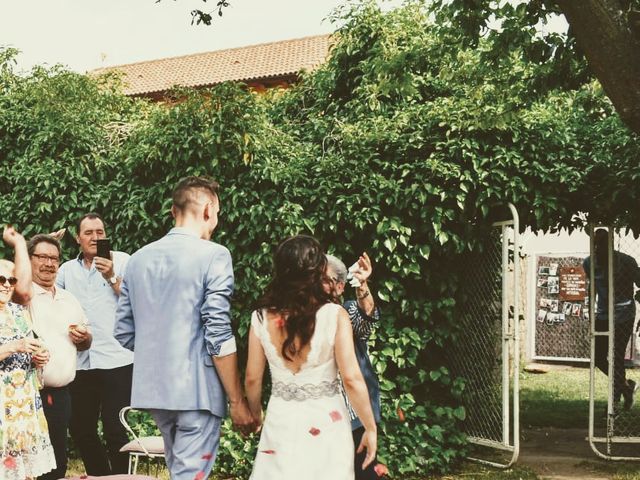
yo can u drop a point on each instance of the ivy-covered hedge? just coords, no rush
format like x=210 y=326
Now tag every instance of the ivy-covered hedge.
x=401 y=145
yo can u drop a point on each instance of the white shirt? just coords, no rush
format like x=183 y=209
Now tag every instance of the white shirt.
x=52 y=314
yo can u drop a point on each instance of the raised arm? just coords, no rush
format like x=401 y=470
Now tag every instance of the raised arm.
x=355 y=386
x=24 y=288
x=363 y=294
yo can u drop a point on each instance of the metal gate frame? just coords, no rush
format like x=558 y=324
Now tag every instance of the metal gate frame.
x=610 y=437
x=510 y=343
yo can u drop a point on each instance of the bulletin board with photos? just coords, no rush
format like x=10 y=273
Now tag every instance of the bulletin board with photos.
x=562 y=308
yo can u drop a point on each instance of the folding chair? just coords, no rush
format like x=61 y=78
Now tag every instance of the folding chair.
x=151 y=447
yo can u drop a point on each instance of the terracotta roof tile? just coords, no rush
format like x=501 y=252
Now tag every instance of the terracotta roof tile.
x=267 y=60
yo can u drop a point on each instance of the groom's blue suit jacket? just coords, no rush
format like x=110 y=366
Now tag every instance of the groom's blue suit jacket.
x=173 y=312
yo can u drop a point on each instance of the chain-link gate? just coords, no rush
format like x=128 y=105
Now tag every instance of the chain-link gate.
x=614 y=415
x=487 y=355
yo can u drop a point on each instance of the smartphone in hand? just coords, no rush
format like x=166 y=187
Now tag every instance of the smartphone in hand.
x=104 y=248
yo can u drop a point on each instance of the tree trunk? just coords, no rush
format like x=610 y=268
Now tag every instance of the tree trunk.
x=610 y=43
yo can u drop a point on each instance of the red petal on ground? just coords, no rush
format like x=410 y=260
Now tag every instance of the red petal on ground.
x=199 y=476
x=335 y=416
x=10 y=462
x=268 y=452
x=314 y=431
x=207 y=456
x=381 y=469
x=400 y=414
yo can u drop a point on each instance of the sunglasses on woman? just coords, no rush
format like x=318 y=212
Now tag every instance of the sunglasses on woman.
x=12 y=280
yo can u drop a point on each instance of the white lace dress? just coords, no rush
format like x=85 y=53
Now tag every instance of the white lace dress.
x=307 y=431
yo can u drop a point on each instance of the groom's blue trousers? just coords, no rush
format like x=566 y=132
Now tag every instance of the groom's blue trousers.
x=191 y=440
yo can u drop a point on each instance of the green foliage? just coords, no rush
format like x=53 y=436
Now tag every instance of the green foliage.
x=402 y=145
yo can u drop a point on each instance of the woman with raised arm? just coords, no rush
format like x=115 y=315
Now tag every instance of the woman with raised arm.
x=306 y=339
x=25 y=449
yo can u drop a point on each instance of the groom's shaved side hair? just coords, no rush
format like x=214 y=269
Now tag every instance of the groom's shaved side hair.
x=190 y=190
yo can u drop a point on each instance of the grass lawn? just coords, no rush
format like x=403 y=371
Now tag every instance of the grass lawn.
x=558 y=399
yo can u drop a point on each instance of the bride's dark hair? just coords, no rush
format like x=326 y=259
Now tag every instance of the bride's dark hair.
x=296 y=290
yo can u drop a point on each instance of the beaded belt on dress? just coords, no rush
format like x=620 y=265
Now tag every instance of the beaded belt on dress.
x=292 y=391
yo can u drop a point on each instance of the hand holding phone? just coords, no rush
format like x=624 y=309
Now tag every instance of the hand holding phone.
x=104 y=248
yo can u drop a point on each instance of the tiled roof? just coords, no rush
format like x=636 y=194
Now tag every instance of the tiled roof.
x=264 y=61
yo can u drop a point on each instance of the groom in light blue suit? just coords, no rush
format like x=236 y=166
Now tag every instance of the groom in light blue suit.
x=173 y=312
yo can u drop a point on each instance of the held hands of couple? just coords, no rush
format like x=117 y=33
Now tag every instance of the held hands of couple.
x=370 y=443
x=242 y=418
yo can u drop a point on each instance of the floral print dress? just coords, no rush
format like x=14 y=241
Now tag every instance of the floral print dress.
x=307 y=431
x=25 y=449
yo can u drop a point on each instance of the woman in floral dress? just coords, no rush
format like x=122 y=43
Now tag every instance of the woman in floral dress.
x=25 y=449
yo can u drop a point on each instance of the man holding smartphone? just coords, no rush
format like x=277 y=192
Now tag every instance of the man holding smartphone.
x=103 y=380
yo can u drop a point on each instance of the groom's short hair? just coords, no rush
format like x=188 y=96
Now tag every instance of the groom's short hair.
x=189 y=189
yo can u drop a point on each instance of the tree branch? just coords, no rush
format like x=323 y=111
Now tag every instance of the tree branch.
x=603 y=32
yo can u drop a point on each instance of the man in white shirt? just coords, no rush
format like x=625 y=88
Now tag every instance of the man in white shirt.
x=60 y=323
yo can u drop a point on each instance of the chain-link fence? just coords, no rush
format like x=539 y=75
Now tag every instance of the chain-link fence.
x=561 y=309
x=615 y=277
x=484 y=351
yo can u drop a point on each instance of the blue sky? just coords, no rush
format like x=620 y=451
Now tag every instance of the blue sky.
x=87 y=34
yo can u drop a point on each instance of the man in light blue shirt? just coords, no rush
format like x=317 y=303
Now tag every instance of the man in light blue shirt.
x=103 y=381
x=174 y=313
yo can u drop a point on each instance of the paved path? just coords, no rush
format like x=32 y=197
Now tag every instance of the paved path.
x=562 y=454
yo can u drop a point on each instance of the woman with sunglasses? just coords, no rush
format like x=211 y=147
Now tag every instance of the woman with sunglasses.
x=25 y=449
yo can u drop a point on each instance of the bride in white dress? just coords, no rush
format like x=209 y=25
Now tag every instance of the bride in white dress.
x=306 y=339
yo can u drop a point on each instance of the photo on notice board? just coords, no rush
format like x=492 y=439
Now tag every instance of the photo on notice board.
x=542 y=281
x=542 y=314
x=554 y=305
x=576 y=309
x=553 y=289
x=566 y=308
x=555 y=318
x=553 y=269
x=543 y=270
